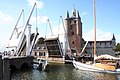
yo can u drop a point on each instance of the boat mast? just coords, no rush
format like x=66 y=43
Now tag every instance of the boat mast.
x=94 y=29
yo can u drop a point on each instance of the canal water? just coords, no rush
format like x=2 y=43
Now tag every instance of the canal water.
x=62 y=72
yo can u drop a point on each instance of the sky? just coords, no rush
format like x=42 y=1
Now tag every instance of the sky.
x=107 y=18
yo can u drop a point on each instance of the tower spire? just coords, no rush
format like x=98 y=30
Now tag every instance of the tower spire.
x=74 y=11
x=113 y=37
x=67 y=15
x=78 y=16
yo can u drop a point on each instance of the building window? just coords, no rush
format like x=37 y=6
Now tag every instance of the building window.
x=73 y=42
x=40 y=54
x=110 y=43
x=90 y=43
x=35 y=53
x=105 y=43
x=70 y=22
x=44 y=54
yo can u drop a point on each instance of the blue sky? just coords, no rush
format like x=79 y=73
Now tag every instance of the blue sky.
x=108 y=17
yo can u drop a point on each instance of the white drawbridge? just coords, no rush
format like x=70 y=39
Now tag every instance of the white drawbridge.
x=26 y=41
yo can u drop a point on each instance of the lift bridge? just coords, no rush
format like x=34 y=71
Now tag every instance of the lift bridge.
x=51 y=51
x=54 y=47
x=19 y=56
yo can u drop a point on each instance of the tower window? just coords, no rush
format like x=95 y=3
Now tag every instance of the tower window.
x=72 y=33
x=74 y=21
x=73 y=42
x=70 y=27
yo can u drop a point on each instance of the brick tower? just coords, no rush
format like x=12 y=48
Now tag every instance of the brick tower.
x=74 y=31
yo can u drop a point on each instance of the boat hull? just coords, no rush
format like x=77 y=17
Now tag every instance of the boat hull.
x=91 y=67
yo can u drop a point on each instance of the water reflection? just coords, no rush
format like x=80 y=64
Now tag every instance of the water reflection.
x=62 y=72
x=85 y=75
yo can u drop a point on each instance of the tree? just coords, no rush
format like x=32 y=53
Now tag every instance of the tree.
x=117 y=47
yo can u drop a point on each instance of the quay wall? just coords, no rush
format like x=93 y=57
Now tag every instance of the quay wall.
x=19 y=62
x=5 y=65
x=4 y=69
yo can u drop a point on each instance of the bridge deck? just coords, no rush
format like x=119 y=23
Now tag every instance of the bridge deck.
x=54 y=47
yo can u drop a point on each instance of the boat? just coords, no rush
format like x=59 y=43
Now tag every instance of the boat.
x=103 y=63
x=40 y=64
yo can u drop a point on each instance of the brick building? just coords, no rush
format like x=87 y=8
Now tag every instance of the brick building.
x=74 y=30
x=76 y=42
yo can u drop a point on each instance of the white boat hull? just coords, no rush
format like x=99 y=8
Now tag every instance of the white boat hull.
x=89 y=67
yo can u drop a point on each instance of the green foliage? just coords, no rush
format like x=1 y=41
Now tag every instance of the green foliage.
x=117 y=47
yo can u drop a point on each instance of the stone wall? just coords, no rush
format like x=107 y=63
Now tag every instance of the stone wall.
x=4 y=69
x=6 y=62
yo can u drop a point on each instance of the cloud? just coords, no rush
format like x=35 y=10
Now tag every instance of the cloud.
x=100 y=35
x=58 y=29
x=84 y=13
x=5 y=18
x=40 y=4
x=40 y=19
x=117 y=38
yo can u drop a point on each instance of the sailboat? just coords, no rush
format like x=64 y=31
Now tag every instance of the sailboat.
x=103 y=63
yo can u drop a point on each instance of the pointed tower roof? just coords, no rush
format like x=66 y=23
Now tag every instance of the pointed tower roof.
x=74 y=11
x=113 y=37
x=67 y=14
x=78 y=16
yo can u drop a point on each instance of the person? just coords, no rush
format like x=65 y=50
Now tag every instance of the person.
x=117 y=65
